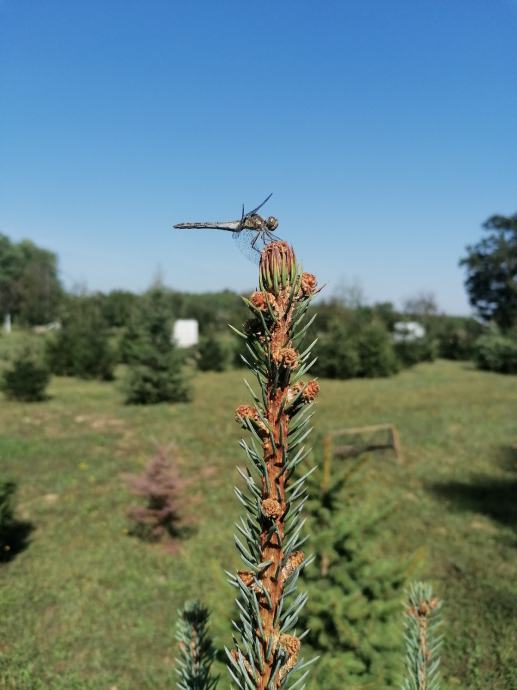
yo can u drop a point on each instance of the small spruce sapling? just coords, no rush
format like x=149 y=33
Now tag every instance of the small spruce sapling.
x=81 y=347
x=212 y=355
x=196 y=650
x=266 y=652
x=161 y=487
x=26 y=379
x=353 y=614
x=155 y=366
x=422 y=638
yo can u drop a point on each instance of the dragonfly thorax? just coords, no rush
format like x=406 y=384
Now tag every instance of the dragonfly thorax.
x=256 y=222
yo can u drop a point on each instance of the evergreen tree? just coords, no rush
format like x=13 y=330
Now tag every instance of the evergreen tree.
x=27 y=377
x=154 y=364
x=82 y=348
x=196 y=650
x=353 y=614
x=212 y=355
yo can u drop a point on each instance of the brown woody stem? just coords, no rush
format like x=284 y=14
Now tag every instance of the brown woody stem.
x=272 y=547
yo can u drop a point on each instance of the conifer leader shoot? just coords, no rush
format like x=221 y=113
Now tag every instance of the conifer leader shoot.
x=267 y=646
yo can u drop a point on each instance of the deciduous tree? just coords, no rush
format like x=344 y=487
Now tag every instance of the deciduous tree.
x=491 y=267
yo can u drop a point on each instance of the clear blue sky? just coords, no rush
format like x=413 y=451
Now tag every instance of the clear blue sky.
x=386 y=130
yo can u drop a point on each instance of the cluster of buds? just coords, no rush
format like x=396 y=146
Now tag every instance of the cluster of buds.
x=268 y=542
x=282 y=287
x=424 y=608
x=250 y=413
x=303 y=392
x=287 y=357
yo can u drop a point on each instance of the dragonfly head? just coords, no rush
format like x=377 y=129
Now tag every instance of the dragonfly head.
x=272 y=223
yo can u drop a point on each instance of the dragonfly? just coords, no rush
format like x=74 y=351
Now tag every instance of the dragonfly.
x=251 y=231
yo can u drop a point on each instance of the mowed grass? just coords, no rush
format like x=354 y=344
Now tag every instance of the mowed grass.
x=87 y=606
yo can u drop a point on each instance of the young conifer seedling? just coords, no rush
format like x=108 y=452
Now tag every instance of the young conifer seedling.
x=196 y=651
x=422 y=640
x=266 y=653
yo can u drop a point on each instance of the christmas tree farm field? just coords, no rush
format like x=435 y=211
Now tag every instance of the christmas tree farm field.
x=87 y=605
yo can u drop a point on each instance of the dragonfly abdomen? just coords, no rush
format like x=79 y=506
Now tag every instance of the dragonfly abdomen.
x=230 y=226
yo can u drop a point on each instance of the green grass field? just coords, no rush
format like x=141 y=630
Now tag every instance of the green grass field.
x=86 y=606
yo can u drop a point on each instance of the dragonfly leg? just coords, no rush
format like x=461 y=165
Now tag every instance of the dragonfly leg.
x=254 y=242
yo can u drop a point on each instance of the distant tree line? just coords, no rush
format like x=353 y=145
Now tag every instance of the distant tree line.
x=99 y=330
x=30 y=289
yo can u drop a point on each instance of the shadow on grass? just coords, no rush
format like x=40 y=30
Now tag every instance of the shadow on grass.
x=14 y=538
x=170 y=540
x=495 y=497
x=14 y=533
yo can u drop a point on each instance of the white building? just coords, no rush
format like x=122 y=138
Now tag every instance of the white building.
x=185 y=332
x=407 y=331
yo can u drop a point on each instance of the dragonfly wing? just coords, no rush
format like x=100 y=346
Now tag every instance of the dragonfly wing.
x=245 y=239
x=260 y=205
x=252 y=242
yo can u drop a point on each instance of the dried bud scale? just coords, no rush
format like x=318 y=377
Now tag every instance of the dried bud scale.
x=271 y=508
x=267 y=647
x=261 y=300
x=308 y=283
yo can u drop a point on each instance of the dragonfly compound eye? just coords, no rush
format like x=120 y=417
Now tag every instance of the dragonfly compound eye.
x=272 y=223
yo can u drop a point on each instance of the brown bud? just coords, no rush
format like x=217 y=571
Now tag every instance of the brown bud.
x=310 y=391
x=423 y=608
x=247 y=577
x=259 y=300
x=308 y=284
x=244 y=412
x=288 y=357
x=271 y=508
x=290 y=643
x=277 y=267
